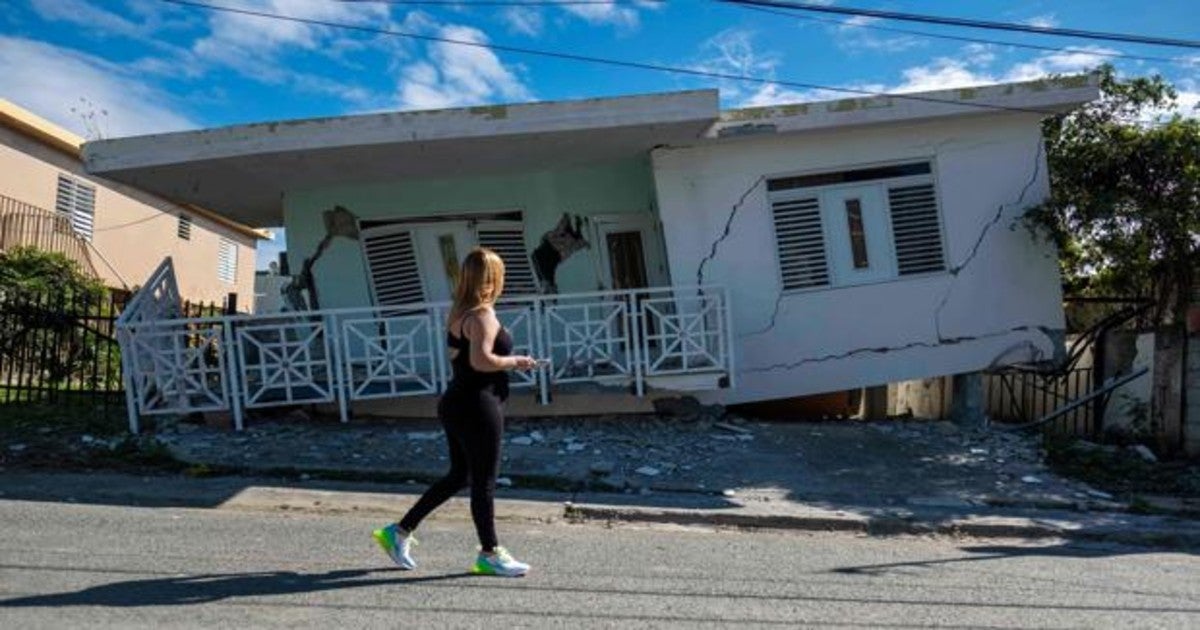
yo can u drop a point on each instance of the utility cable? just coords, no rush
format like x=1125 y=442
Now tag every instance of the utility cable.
x=972 y=23
x=969 y=40
x=616 y=62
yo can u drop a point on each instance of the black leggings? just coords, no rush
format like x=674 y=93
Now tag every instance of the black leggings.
x=474 y=423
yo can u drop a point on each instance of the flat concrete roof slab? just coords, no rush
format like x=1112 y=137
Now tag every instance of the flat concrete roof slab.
x=243 y=171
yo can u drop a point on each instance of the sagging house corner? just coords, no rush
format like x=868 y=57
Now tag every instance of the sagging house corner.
x=654 y=244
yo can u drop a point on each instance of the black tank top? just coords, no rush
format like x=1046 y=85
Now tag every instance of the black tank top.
x=467 y=377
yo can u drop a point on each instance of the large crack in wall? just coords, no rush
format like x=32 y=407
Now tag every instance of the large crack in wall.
x=1034 y=353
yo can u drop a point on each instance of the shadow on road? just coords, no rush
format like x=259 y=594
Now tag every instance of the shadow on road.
x=200 y=589
x=998 y=552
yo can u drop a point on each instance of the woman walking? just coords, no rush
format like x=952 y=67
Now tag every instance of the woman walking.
x=471 y=413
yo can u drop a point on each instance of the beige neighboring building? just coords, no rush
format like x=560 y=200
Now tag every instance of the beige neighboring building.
x=120 y=232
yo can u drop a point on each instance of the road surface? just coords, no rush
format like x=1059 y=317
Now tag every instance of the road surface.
x=67 y=565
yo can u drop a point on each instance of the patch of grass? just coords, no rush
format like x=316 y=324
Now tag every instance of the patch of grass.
x=73 y=437
x=1120 y=472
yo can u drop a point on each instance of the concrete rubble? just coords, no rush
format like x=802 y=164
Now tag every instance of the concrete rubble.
x=687 y=447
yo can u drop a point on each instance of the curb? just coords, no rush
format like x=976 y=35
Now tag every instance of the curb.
x=546 y=507
x=994 y=527
x=1154 y=533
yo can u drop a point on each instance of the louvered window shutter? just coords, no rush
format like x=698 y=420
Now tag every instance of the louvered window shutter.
x=800 y=238
x=507 y=239
x=916 y=228
x=77 y=200
x=227 y=261
x=184 y=228
x=392 y=265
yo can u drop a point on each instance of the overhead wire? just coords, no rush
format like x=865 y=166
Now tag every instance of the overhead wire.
x=970 y=40
x=505 y=3
x=923 y=18
x=639 y=65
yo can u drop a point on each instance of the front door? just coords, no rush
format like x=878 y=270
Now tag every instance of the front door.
x=631 y=253
x=626 y=259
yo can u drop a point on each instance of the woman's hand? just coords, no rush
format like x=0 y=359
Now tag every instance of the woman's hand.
x=524 y=363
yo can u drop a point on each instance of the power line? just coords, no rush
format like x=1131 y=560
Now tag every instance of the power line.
x=972 y=23
x=503 y=3
x=958 y=38
x=639 y=65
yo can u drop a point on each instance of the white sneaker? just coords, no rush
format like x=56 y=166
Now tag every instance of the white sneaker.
x=499 y=563
x=397 y=548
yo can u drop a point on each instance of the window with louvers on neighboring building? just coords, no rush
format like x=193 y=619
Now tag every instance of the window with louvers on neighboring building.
x=227 y=260
x=857 y=226
x=184 y=229
x=77 y=200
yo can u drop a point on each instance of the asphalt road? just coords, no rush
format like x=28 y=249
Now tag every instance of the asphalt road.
x=65 y=565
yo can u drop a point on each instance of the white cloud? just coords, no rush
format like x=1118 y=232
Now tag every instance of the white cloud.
x=457 y=75
x=234 y=37
x=84 y=13
x=623 y=16
x=856 y=35
x=524 y=20
x=615 y=14
x=973 y=68
x=50 y=81
x=1048 y=20
x=732 y=52
x=1072 y=62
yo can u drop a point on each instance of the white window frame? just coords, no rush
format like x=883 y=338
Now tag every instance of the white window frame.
x=930 y=178
x=81 y=216
x=183 y=227
x=226 y=245
x=475 y=220
x=389 y=230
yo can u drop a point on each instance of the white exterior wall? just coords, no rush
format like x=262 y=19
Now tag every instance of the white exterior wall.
x=981 y=164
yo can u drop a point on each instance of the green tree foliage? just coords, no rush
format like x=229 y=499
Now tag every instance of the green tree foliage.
x=49 y=312
x=1125 y=201
x=30 y=270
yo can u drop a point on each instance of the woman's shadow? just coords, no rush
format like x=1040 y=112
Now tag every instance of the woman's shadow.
x=200 y=589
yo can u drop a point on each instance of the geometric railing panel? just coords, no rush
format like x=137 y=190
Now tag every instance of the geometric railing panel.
x=385 y=357
x=182 y=365
x=285 y=363
x=518 y=319
x=177 y=370
x=683 y=335
x=589 y=341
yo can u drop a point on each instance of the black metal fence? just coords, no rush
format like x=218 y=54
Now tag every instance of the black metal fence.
x=1020 y=396
x=57 y=348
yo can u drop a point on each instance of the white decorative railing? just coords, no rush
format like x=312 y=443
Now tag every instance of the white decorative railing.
x=237 y=362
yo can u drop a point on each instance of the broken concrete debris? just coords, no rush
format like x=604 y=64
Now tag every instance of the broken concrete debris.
x=1145 y=453
x=730 y=427
x=602 y=468
x=702 y=456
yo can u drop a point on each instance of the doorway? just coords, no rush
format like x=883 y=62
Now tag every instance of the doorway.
x=631 y=251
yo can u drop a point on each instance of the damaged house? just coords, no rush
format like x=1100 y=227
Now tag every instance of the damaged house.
x=653 y=243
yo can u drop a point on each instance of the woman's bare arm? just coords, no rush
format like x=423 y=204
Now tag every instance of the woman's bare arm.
x=481 y=328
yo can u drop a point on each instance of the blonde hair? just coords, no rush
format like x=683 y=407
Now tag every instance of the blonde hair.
x=479 y=283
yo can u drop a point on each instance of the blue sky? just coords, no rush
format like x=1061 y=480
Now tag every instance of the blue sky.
x=144 y=66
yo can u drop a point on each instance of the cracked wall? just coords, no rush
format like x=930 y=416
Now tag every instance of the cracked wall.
x=341 y=276
x=1003 y=304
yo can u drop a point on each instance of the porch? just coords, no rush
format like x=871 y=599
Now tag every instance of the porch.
x=633 y=340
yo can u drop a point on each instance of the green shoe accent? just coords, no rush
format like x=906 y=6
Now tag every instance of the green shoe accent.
x=388 y=543
x=483 y=568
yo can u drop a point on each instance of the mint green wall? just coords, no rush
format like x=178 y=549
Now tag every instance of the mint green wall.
x=543 y=197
